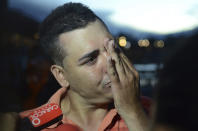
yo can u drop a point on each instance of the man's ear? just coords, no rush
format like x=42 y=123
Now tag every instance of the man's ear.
x=58 y=73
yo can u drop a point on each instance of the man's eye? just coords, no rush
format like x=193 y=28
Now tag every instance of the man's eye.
x=91 y=61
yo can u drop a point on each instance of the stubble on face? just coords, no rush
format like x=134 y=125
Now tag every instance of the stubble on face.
x=85 y=63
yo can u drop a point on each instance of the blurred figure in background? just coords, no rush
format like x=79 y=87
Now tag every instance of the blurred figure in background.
x=176 y=94
x=39 y=82
x=37 y=75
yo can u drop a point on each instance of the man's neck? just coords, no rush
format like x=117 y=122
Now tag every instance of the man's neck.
x=86 y=115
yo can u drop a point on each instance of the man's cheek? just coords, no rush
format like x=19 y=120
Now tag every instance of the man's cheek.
x=95 y=78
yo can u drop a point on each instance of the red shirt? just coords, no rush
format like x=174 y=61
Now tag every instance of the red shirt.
x=111 y=122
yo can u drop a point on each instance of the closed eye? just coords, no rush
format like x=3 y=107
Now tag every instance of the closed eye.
x=90 y=58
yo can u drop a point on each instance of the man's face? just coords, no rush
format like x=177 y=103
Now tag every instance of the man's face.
x=86 y=61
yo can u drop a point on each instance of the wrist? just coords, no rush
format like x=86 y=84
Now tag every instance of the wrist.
x=136 y=119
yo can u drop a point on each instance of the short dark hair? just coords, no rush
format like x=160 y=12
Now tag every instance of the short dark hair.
x=65 y=18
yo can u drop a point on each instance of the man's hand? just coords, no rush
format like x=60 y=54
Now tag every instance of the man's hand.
x=125 y=88
x=124 y=80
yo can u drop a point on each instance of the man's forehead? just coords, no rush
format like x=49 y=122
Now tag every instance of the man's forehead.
x=84 y=39
x=76 y=45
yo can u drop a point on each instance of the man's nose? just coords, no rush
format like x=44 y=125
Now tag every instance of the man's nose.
x=105 y=56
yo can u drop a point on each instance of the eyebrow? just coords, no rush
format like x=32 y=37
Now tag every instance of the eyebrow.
x=90 y=54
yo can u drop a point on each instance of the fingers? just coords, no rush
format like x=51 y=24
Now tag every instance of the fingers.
x=129 y=65
x=120 y=64
x=116 y=60
x=112 y=71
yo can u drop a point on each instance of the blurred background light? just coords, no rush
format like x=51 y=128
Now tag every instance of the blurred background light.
x=159 y=44
x=143 y=43
x=122 y=41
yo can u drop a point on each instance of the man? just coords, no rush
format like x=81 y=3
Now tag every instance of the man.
x=91 y=71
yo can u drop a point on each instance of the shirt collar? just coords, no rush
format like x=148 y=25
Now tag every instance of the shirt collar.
x=56 y=98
